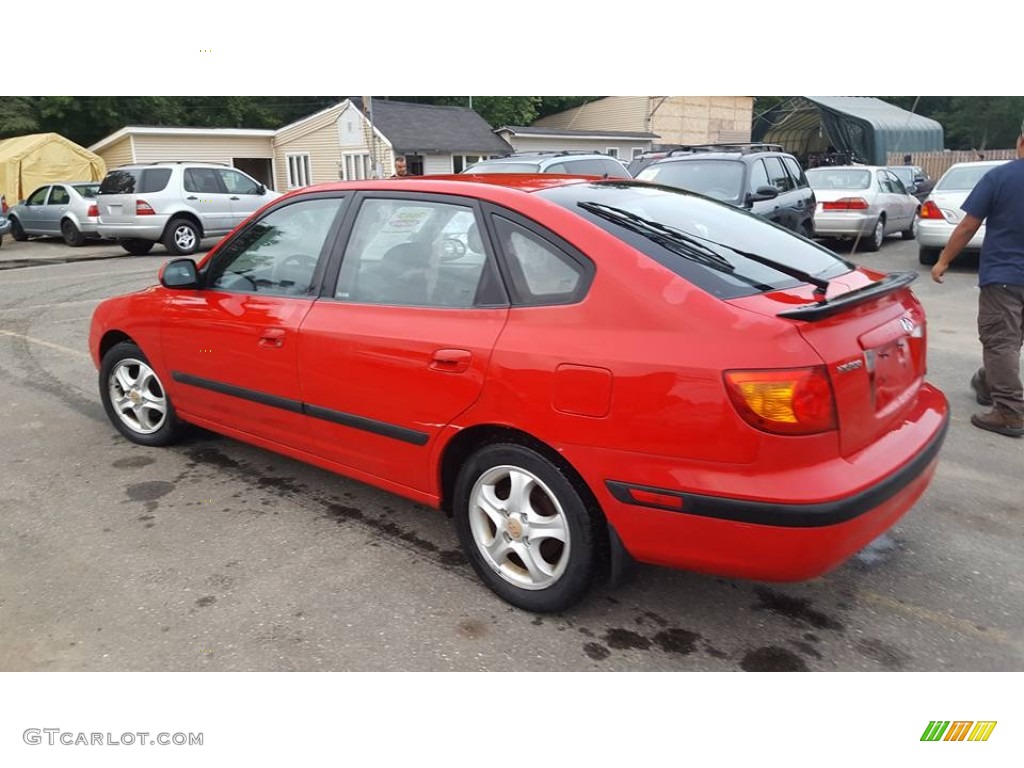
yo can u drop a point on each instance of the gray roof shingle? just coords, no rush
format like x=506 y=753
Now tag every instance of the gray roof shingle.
x=426 y=128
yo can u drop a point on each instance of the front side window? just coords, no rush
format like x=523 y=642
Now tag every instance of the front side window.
x=238 y=184
x=279 y=253
x=59 y=196
x=758 y=176
x=413 y=253
x=39 y=196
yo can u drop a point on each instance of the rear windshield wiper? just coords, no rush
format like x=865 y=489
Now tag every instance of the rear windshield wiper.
x=665 y=236
x=820 y=286
x=696 y=241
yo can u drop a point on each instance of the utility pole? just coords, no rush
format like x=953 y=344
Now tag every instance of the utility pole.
x=378 y=170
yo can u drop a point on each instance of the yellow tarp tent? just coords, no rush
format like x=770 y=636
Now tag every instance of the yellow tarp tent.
x=26 y=162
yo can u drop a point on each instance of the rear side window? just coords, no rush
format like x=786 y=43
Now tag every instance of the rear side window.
x=59 y=196
x=154 y=180
x=777 y=173
x=539 y=272
x=119 y=183
x=795 y=171
x=203 y=180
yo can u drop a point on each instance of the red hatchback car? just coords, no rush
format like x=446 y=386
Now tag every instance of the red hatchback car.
x=578 y=371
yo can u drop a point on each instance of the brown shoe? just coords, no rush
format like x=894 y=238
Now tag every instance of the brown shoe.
x=996 y=420
x=981 y=393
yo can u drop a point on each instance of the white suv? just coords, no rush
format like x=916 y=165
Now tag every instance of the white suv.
x=175 y=203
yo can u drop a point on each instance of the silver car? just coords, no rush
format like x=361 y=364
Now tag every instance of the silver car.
x=863 y=202
x=65 y=210
x=941 y=210
x=176 y=203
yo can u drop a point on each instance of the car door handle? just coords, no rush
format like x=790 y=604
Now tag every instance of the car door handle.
x=191 y=197
x=272 y=338
x=235 y=197
x=451 y=360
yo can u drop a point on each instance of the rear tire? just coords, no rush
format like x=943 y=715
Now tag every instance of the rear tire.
x=137 y=247
x=182 y=237
x=910 y=234
x=928 y=256
x=525 y=528
x=17 y=231
x=877 y=236
x=70 y=232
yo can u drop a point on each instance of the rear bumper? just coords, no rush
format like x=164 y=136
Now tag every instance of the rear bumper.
x=5 y=225
x=935 y=234
x=152 y=229
x=847 y=224
x=777 y=537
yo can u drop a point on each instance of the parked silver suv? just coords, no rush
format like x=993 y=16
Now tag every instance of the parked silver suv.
x=175 y=203
x=570 y=162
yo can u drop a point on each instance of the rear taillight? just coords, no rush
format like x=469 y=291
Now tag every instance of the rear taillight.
x=3 y=204
x=846 y=204
x=794 y=401
x=93 y=212
x=142 y=208
x=931 y=211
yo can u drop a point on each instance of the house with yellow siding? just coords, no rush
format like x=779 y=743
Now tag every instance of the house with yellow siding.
x=349 y=140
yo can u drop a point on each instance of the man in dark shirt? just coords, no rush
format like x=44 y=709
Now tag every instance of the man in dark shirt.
x=401 y=168
x=997 y=200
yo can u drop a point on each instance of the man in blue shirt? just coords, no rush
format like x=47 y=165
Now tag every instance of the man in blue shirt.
x=997 y=200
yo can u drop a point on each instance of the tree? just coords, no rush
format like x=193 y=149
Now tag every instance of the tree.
x=17 y=117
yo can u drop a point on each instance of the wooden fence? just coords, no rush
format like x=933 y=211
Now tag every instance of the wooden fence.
x=937 y=163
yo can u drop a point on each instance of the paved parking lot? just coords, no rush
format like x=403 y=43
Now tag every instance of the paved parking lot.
x=215 y=555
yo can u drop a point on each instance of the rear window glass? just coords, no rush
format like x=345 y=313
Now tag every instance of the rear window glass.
x=154 y=179
x=711 y=225
x=504 y=168
x=87 y=190
x=119 y=183
x=964 y=178
x=839 y=178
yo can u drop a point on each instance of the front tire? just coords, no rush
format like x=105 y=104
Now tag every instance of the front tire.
x=182 y=237
x=525 y=528
x=137 y=247
x=135 y=399
x=17 y=231
x=71 y=234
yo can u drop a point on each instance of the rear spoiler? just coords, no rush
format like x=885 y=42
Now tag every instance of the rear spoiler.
x=888 y=284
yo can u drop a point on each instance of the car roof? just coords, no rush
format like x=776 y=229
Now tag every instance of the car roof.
x=977 y=163
x=463 y=183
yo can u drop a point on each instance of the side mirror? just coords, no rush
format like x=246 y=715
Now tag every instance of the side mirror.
x=261 y=190
x=763 y=193
x=179 y=273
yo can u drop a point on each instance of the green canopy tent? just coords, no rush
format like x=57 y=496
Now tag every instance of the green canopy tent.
x=861 y=128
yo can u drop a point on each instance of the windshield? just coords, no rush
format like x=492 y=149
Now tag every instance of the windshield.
x=717 y=227
x=838 y=178
x=503 y=168
x=962 y=178
x=720 y=179
x=86 y=190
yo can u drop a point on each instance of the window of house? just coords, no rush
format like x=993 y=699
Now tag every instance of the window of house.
x=298 y=171
x=612 y=152
x=356 y=165
x=637 y=152
x=462 y=162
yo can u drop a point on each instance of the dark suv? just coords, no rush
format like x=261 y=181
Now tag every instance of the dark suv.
x=761 y=178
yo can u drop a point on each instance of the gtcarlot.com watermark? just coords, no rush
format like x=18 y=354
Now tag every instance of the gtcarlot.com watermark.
x=55 y=736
